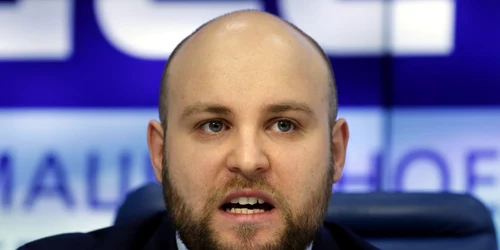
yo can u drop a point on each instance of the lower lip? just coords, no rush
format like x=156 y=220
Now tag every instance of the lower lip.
x=250 y=218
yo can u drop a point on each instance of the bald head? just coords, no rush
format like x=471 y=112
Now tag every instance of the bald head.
x=247 y=41
x=251 y=106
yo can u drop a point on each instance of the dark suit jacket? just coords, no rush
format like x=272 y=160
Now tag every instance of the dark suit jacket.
x=158 y=233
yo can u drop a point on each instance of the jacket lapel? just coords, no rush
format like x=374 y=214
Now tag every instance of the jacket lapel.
x=324 y=241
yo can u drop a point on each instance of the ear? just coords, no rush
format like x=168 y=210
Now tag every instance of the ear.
x=340 y=137
x=155 y=145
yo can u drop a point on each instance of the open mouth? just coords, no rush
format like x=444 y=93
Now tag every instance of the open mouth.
x=247 y=205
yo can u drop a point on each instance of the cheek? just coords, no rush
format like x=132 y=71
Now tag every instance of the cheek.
x=193 y=171
x=300 y=170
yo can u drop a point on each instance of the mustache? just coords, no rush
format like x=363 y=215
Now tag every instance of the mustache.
x=240 y=182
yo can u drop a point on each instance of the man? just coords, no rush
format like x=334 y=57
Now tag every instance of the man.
x=248 y=146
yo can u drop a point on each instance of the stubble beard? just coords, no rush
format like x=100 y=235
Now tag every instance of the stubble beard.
x=299 y=227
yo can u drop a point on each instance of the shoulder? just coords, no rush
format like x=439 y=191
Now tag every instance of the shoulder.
x=346 y=239
x=74 y=241
x=132 y=236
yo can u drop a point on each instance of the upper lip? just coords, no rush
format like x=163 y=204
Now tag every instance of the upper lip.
x=248 y=193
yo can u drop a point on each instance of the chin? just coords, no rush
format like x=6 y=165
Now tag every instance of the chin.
x=260 y=239
x=249 y=236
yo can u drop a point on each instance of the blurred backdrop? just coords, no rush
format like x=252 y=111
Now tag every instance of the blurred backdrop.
x=419 y=83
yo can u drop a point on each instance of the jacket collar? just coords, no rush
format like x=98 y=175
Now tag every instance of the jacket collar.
x=164 y=236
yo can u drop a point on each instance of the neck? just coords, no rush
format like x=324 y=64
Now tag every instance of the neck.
x=181 y=246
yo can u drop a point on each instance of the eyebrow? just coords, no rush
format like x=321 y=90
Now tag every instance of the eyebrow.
x=205 y=108
x=217 y=109
x=290 y=106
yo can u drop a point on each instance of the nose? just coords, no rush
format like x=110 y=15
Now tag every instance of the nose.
x=248 y=156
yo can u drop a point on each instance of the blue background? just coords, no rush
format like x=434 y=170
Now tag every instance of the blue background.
x=97 y=75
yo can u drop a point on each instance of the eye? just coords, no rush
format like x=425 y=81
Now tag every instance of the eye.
x=212 y=127
x=283 y=126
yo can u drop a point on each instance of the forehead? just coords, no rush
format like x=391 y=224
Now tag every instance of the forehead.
x=246 y=64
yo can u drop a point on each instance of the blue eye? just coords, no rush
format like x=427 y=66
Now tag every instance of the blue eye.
x=212 y=126
x=283 y=126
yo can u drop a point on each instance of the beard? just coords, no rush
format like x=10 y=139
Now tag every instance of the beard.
x=297 y=232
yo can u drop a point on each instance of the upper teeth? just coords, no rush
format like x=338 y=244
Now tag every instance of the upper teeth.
x=247 y=200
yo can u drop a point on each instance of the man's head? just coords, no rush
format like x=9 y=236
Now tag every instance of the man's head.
x=249 y=117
